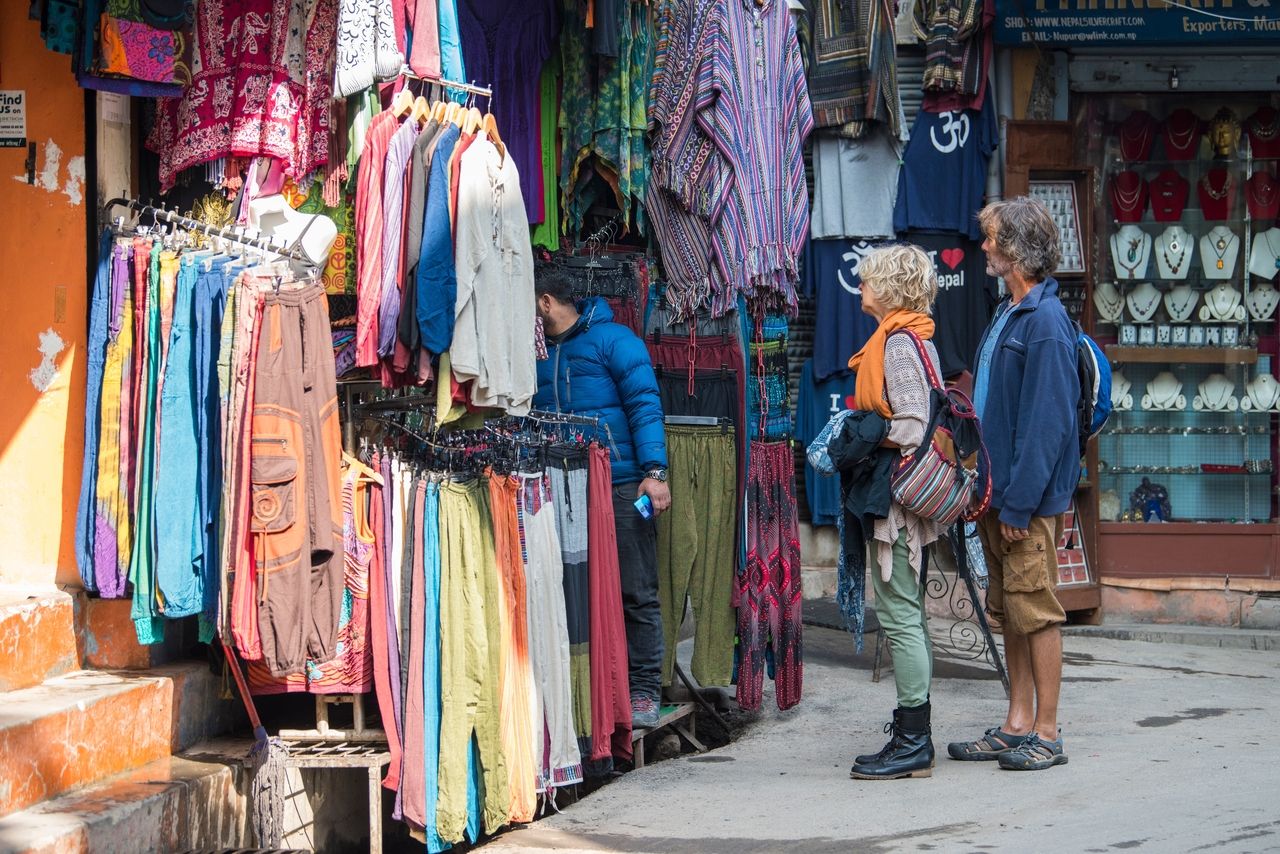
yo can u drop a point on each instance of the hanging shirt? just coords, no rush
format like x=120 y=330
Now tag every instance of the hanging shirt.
x=753 y=101
x=841 y=327
x=494 y=311
x=966 y=297
x=437 y=281
x=505 y=45
x=944 y=170
x=369 y=227
x=819 y=401
x=393 y=210
x=261 y=82
x=855 y=184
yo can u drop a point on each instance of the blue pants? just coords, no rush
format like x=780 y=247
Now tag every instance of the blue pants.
x=178 y=549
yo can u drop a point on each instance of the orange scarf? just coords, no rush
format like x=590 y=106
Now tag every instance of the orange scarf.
x=868 y=390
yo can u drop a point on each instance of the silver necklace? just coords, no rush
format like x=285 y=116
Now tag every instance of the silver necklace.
x=1147 y=310
x=1262 y=302
x=1214 y=299
x=1180 y=311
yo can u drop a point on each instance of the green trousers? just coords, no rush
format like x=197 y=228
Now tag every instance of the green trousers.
x=900 y=609
x=696 y=550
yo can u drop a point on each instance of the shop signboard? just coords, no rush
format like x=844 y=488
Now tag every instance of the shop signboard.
x=1140 y=23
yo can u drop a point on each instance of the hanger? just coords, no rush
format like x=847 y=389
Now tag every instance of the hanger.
x=402 y=103
x=421 y=107
x=490 y=126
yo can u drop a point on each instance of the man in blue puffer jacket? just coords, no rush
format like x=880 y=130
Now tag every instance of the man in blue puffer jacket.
x=599 y=368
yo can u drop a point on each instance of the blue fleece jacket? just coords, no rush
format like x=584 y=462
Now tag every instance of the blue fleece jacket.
x=600 y=369
x=1029 y=424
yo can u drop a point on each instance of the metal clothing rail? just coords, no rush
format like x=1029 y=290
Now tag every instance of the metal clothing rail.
x=448 y=84
x=163 y=214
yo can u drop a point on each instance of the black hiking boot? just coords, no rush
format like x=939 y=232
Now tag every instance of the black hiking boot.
x=909 y=752
x=889 y=728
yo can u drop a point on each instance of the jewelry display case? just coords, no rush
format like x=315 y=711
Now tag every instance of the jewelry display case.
x=1185 y=303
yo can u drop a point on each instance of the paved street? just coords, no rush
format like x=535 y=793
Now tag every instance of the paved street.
x=1172 y=749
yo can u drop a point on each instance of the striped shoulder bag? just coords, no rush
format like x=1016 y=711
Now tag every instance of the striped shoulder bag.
x=943 y=480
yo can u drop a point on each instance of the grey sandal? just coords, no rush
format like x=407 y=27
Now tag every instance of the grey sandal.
x=994 y=742
x=1034 y=754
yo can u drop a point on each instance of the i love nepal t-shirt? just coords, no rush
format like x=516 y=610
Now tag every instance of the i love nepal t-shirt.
x=966 y=297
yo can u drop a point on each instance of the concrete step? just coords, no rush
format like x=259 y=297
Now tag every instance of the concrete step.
x=1220 y=636
x=172 y=804
x=37 y=639
x=85 y=727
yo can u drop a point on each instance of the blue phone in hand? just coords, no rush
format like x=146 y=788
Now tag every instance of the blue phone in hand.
x=645 y=506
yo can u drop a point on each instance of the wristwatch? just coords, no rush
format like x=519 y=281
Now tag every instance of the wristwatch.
x=660 y=475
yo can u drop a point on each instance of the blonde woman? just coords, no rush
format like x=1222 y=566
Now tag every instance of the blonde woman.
x=899 y=285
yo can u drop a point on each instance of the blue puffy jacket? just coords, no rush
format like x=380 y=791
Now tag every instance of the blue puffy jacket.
x=601 y=369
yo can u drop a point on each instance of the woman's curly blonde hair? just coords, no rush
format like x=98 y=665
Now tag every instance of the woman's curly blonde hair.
x=902 y=276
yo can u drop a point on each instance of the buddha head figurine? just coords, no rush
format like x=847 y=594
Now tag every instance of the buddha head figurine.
x=1224 y=132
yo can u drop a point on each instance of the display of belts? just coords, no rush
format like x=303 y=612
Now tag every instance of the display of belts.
x=1188 y=252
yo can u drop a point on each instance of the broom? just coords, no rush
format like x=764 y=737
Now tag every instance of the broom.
x=266 y=764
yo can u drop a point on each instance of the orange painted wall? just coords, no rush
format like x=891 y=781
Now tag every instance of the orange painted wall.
x=43 y=294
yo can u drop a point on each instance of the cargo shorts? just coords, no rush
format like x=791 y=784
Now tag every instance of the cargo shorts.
x=1023 y=574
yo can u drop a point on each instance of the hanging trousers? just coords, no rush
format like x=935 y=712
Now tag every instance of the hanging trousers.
x=147 y=607
x=113 y=535
x=696 y=550
x=610 y=668
x=568 y=470
x=516 y=701
x=556 y=754
x=296 y=486
x=378 y=619
x=99 y=311
x=411 y=798
x=769 y=617
x=237 y=543
x=469 y=660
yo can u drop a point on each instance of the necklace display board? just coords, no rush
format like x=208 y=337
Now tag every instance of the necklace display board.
x=1130 y=252
x=1142 y=302
x=1174 y=248
x=1219 y=251
x=1262 y=301
x=1180 y=303
x=1128 y=193
x=1264 y=257
x=1262 y=195
x=1109 y=302
x=1169 y=192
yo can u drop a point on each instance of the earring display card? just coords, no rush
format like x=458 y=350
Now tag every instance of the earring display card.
x=1230 y=336
x=1179 y=335
x=1163 y=334
x=1196 y=336
x=1129 y=334
x=1146 y=335
x=1060 y=198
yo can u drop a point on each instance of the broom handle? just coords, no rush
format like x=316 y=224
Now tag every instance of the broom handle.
x=244 y=689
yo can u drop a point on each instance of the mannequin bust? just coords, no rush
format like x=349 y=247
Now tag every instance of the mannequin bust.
x=1262 y=394
x=1216 y=395
x=1121 y=399
x=1130 y=252
x=1180 y=303
x=1173 y=250
x=1264 y=258
x=1262 y=301
x=314 y=234
x=1108 y=301
x=1142 y=302
x=1164 y=394
x=1219 y=250
x=1222 y=303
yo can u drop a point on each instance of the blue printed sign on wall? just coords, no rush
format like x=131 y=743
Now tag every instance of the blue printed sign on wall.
x=1119 y=23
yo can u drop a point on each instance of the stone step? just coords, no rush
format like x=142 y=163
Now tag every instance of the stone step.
x=87 y=726
x=171 y=804
x=37 y=638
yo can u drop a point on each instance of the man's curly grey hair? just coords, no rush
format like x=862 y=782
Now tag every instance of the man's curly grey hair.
x=1024 y=232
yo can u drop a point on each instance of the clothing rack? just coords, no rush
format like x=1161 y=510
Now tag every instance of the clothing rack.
x=163 y=214
x=484 y=91
x=698 y=421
